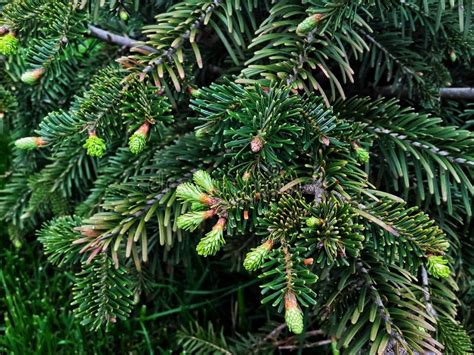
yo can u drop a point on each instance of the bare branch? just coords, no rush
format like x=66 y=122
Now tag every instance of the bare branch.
x=457 y=93
x=444 y=93
x=119 y=40
x=305 y=346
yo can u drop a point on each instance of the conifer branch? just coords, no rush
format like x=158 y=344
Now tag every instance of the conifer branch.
x=168 y=54
x=426 y=292
x=107 y=36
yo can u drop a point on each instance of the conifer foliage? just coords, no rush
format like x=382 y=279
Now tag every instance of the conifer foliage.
x=307 y=146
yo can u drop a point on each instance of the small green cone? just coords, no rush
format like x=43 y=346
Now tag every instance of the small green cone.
x=308 y=24
x=313 y=222
x=30 y=77
x=204 y=181
x=437 y=267
x=29 y=143
x=201 y=132
x=190 y=193
x=191 y=220
x=362 y=155
x=453 y=56
x=95 y=146
x=123 y=14
x=293 y=314
x=8 y=44
x=137 y=141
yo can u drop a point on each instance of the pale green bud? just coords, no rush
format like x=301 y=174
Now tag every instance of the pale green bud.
x=213 y=241
x=95 y=146
x=437 y=267
x=204 y=180
x=255 y=258
x=293 y=314
x=8 y=44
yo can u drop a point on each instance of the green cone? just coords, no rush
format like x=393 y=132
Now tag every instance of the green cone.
x=308 y=24
x=362 y=155
x=313 y=222
x=137 y=142
x=32 y=76
x=29 y=143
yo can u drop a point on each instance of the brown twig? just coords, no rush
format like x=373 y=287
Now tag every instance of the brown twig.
x=305 y=346
x=444 y=93
x=457 y=93
x=119 y=40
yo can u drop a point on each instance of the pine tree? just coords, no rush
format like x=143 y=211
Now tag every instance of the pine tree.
x=321 y=149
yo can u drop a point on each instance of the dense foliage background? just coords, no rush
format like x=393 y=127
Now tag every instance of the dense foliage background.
x=236 y=176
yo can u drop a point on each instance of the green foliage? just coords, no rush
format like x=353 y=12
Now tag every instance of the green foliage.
x=101 y=293
x=241 y=143
x=454 y=337
x=198 y=340
x=417 y=149
x=58 y=237
x=213 y=241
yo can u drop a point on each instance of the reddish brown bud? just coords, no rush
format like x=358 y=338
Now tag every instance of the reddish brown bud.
x=220 y=224
x=256 y=144
x=209 y=214
x=290 y=300
x=88 y=232
x=144 y=128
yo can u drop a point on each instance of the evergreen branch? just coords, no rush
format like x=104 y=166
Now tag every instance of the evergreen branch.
x=389 y=54
x=287 y=176
x=57 y=237
x=102 y=293
x=168 y=54
x=198 y=340
x=432 y=148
